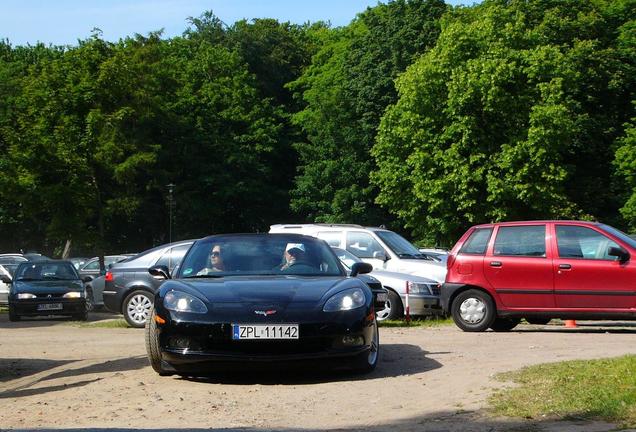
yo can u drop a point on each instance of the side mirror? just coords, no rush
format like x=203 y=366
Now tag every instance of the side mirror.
x=381 y=255
x=622 y=254
x=4 y=278
x=160 y=272
x=87 y=279
x=360 y=268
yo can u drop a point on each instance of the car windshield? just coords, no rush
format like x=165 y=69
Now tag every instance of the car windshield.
x=346 y=258
x=399 y=245
x=259 y=254
x=46 y=270
x=621 y=235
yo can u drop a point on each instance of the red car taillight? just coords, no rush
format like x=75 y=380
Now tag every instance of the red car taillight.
x=108 y=277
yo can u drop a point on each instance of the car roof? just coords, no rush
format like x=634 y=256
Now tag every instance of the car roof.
x=322 y=226
x=534 y=222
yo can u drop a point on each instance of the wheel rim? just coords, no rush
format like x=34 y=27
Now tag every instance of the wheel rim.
x=373 y=352
x=472 y=310
x=383 y=314
x=139 y=308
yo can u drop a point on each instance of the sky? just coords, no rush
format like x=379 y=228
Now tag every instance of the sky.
x=63 y=22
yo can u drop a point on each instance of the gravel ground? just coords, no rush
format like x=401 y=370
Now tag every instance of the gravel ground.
x=54 y=374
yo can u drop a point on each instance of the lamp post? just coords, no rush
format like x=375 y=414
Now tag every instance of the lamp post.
x=170 y=195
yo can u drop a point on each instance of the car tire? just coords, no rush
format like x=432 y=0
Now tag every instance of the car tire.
x=152 y=346
x=367 y=361
x=393 y=308
x=13 y=317
x=473 y=310
x=137 y=308
x=504 y=324
x=538 y=321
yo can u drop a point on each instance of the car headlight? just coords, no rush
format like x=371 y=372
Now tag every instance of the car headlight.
x=345 y=300
x=26 y=296
x=181 y=302
x=420 y=288
x=73 y=294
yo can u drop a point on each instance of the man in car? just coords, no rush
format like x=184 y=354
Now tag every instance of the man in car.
x=295 y=260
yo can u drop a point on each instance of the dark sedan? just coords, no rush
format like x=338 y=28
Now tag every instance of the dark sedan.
x=47 y=288
x=261 y=298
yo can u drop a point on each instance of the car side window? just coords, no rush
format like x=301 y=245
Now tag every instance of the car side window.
x=362 y=245
x=173 y=256
x=523 y=240
x=477 y=242
x=331 y=237
x=583 y=242
x=93 y=265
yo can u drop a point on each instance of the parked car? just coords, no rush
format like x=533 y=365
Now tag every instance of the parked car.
x=6 y=277
x=539 y=270
x=383 y=249
x=12 y=258
x=423 y=292
x=78 y=261
x=256 y=308
x=47 y=288
x=8 y=264
x=90 y=270
x=129 y=289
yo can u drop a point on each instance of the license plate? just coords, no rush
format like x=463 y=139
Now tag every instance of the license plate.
x=50 y=306
x=243 y=331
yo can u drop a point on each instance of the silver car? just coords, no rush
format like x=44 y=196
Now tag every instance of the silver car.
x=423 y=296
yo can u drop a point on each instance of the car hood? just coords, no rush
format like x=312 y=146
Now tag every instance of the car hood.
x=427 y=269
x=279 y=290
x=49 y=286
x=386 y=274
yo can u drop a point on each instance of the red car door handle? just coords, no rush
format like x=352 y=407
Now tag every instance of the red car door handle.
x=565 y=266
x=495 y=263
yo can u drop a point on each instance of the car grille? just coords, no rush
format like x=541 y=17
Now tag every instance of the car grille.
x=217 y=339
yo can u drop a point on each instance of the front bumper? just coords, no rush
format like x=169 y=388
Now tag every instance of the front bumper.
x=422 y=304
x=32 y=307
x=211 y=345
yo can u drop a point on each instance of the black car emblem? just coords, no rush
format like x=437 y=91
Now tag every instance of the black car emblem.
x=265 y=313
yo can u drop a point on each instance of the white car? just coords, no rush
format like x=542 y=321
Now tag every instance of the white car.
x=423 y=293
x=382 y=248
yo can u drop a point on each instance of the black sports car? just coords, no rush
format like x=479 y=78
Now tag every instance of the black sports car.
x=47 y=288
x=261 y=298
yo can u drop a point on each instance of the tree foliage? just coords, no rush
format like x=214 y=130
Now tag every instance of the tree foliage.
x=515 y=114
x=346 y=89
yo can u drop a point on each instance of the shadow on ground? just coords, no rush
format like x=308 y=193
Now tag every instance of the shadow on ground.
x=395 y=360
x=443 y=421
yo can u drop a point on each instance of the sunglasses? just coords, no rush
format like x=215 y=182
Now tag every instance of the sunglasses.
x=216 y=254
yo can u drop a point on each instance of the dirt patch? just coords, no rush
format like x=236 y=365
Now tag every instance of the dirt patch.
x=57 y=375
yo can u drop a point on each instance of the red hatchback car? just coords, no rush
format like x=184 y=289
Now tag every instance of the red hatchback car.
x=538 y=270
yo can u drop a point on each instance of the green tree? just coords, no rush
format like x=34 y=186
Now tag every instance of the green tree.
x=346 y=89
x=513 y=115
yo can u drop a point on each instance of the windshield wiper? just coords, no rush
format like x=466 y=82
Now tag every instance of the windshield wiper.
x=406 y=255
x=209 y=276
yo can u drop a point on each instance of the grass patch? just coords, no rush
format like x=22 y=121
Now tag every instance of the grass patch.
x=115 y=323
x=419 y=322
x=587 y=389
